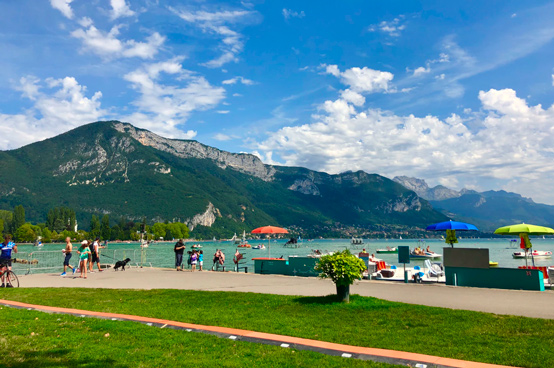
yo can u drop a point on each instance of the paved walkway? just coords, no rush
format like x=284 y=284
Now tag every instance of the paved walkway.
x=513 y=302
x=347 y=351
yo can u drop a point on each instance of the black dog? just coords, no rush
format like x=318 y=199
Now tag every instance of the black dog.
x=121 y=264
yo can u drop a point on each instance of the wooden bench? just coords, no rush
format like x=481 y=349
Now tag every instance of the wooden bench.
x=217 y=266
x=240 y=265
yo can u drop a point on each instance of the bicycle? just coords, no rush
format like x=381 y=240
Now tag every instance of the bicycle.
x=10 y=277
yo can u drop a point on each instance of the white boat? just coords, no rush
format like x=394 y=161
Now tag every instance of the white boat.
x=424 y=255
x=533 y=254
x=389 y=250
x=356 y=241
x=260 y=246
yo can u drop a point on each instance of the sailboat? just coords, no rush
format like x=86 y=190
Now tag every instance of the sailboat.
x=243 y=243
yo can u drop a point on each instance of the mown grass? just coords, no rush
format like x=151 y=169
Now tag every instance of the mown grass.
x=370 y=322
x=36 y=339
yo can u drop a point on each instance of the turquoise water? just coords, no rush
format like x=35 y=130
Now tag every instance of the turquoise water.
x=50 y=258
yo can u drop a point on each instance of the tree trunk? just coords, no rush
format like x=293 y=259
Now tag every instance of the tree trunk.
x=343 y=293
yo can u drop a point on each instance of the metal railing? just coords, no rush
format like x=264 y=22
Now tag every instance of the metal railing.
x=44 y=261
x=50 y=261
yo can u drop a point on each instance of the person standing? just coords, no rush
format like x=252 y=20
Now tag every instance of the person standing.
x=67 y=251
x=6 y=257
x=179 y=250
x=193 y=260
x=201 y=260
x=84 y=253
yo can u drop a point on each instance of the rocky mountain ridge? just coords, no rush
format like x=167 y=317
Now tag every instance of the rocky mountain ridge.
x=117 y=169
x=488 y=210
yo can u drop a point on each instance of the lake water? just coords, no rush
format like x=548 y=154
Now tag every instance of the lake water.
x=49 y=257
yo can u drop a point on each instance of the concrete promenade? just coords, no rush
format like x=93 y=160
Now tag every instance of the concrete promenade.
x=513 y=302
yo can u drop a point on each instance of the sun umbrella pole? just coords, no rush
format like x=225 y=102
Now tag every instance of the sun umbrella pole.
x=268 y=245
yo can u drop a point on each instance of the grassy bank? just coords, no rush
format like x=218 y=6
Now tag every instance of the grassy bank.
x=36 y=339
x=370 y=322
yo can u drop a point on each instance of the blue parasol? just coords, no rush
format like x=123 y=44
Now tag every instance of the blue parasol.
x=451 y=225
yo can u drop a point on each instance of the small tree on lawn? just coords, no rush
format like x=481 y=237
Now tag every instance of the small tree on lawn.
x=343 y=268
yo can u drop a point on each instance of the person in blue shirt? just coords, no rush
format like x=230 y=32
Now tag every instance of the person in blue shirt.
x=6 y=257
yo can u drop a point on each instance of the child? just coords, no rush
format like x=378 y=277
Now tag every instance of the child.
x=193 y=260
x=83 y=252
x=201 y=259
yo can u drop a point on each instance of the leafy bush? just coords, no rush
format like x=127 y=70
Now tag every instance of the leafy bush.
x=343 y=268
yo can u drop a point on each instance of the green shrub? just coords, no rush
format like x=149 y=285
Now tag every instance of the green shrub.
x=343 y=268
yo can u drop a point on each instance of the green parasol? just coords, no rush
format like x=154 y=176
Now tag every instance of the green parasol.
x=523 y=231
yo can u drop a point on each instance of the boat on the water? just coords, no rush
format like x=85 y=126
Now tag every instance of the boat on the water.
x=259 y=246
x=533 y=254
x=513 y=244
x=423 y=252
x=424 y=255
x=244 y=245
x=356 y=241
x=388 y=250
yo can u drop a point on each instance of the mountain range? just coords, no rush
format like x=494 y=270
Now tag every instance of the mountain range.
x=487 y=210
x=115 y=168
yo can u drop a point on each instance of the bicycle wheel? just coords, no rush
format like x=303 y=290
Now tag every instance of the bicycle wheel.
x=11 y=279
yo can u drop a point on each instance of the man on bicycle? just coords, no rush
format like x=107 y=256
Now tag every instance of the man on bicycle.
x=6 y=257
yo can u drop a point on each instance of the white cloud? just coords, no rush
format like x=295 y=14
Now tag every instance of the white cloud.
x=288 y=13
x=58 y=106
x=353 y=97
x=242 y=80
x=223 y=112
x=440 y=76
x=107 y=44
x=85 y=22
x=223 y=137
x=421 y=70
x=510 y=149
x=217 y=24
x=63 y=6
x=161 y=107
x=553 y=80
x=362 y=80
x=237 y=95
x=392 y=28
x=120 y=8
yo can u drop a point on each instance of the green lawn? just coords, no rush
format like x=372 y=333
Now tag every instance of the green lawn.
x=369 y=322
x=36 y=339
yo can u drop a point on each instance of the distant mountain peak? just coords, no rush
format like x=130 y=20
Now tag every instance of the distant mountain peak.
x=437 y=193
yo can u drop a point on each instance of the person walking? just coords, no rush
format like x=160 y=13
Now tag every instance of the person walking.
x=95 y=252
x=7 y=247
x=67 y=251
x=84 y=253
x=179 y=250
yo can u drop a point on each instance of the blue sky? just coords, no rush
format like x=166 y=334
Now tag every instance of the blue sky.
x=457 y=93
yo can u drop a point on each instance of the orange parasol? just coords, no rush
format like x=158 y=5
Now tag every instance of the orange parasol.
x=269 y=230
